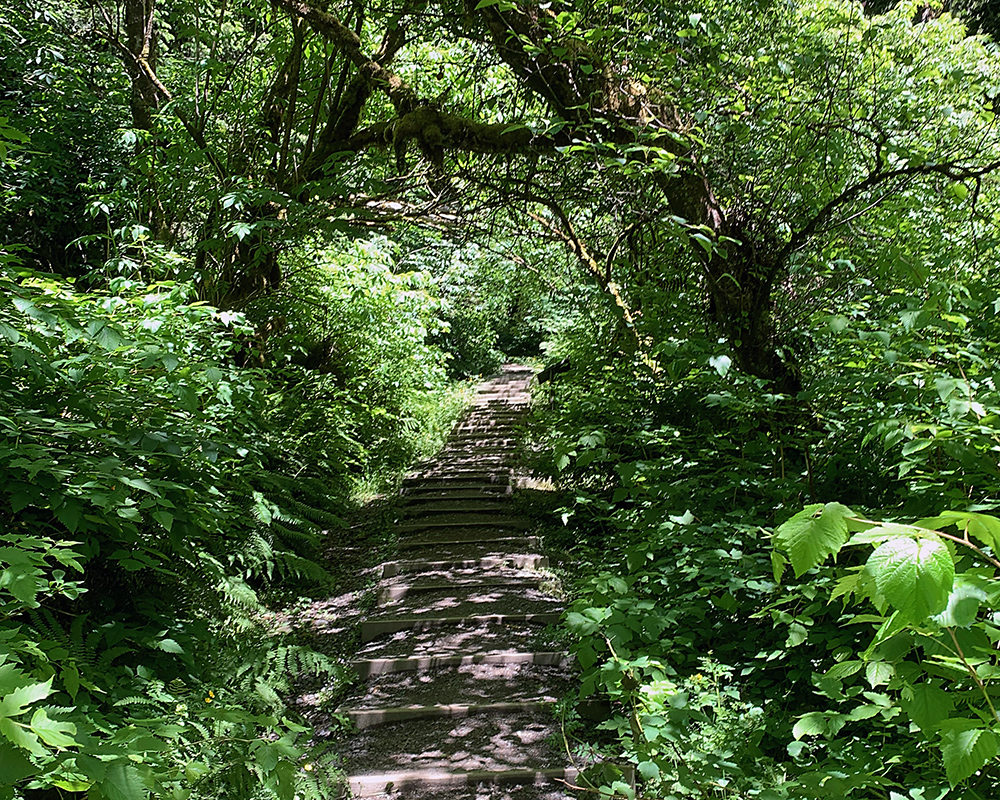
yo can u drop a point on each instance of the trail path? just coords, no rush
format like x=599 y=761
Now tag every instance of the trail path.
x=458 y=678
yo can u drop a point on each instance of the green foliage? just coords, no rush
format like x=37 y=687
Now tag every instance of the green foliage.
x=931 y=647
x=144 y=505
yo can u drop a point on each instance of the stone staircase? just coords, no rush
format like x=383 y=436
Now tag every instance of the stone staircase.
x=458 y=678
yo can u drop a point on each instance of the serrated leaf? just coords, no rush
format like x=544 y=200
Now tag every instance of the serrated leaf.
x=53 y=732
x=813 y=534
x=965 y=752
x=139 y=483
x=863 y=712
x=23 y=581
x=927 y=706
x=165 y=518
x=16 y=702
x=122 y=782
x=778 y=562
x=914 y=575
x=19 y=735
x=881 y=533
x=811 y=724
x=844 y=669
x=69 y=514
x=879 y=673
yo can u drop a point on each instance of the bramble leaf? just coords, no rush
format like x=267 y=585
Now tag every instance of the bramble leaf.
x=914 y=575
x=816 y=532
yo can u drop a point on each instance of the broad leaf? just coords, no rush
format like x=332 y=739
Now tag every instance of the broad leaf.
x=927 y=706
x=53 y=732
x=14 y=765
x=965 y=752
x=914 y=575
x=816 y=532
x=122 y=782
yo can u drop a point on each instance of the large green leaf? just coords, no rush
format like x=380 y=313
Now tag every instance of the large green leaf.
x=927 y=705
x=53 y=732
x=816 y=532
x=966 y=749
x=122 y=782
x=914 y=575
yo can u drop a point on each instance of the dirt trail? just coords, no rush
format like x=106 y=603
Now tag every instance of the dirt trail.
x=458 y=678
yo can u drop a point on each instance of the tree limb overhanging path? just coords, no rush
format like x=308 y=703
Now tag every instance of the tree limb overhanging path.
x=458 y=678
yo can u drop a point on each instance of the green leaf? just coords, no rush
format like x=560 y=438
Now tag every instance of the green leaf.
x=914 y=575
x=139 y=483
x=649 y=770
x=122 y=782
x=879 y=673
x=966 y=751
x=984 y=527
x=816 y=532
x=963 y=603
x=14 y=765
x=165 y=518
x=23 y=581
x=52 y=732
x=777 y=565
x=21 y=736
x=927 y=706
x=16 y=702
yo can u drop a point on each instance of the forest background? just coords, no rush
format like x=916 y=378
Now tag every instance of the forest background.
x=249 y=252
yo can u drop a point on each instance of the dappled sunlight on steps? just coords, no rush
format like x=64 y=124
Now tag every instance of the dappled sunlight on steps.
x=459 y=675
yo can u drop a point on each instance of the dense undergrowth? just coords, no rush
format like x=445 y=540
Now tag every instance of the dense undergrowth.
x=731 y=674
x=168 y=475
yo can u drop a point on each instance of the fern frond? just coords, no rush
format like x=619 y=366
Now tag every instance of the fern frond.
x=135 y=700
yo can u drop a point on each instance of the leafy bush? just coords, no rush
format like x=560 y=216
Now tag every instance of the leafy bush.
x=144 y=508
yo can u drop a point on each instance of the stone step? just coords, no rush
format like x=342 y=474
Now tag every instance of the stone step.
x=459 y=505
x=380 y=626
x=453 y=489
x=469 y=561
x=411 y=590
x=453 y=476
x=367 y=668
x=454 y=537
x=464 y=684
x=428 y=497
x=471 y=598
x=527 y=741
x=553 y=790
x=463 y=519
x=461 y=639
x=370 y=717
x=542 y=784
x=486 y=439
x=490 y=424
